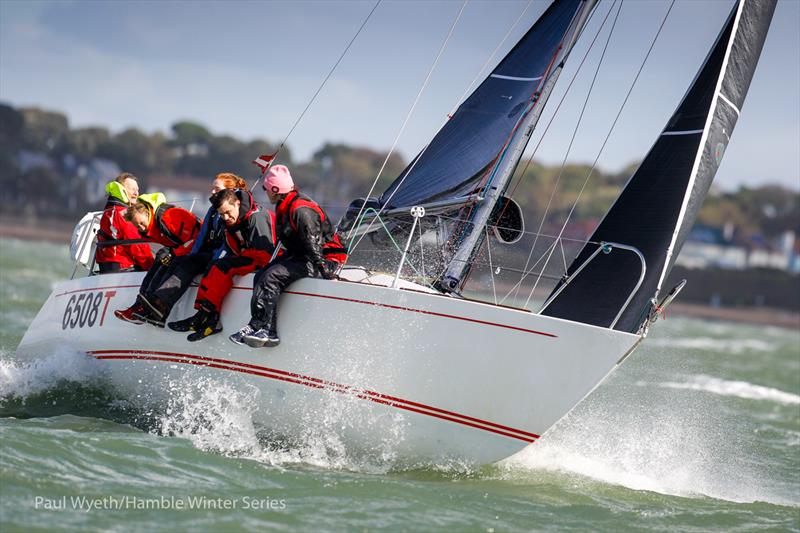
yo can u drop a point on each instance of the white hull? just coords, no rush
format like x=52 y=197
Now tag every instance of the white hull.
x=438 y=377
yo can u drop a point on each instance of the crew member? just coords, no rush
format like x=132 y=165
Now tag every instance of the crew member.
x=113 y=227
x=250 y=240
x=312 y=249
x=208 y=246
x=173 y=227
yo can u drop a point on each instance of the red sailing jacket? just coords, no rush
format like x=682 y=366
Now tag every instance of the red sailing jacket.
x=307 y=233
x=253 y=235
x=174 y=227
x=114 y=227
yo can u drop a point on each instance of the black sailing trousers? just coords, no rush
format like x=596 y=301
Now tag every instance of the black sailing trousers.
x=269 y=283
x=166 y=284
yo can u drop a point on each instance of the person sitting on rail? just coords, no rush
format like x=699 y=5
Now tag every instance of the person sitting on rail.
x=250 y=245
x=173 y=227
x=113 y=227
x=312 y=249
x=207 y=247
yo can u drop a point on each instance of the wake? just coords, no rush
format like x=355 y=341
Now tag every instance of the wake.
x=737 y=389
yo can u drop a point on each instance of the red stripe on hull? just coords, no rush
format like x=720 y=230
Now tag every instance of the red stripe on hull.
x=97 y=289
x=317 y=383
x=422 y=311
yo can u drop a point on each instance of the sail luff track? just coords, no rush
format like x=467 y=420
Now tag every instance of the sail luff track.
x=699 y=156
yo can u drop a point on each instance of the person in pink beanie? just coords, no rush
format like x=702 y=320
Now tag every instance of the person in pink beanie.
x=312 y=249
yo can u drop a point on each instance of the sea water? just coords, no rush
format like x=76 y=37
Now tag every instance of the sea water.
x=699 y=430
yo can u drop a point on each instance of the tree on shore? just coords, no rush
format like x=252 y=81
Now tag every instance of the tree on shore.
x=48 y=183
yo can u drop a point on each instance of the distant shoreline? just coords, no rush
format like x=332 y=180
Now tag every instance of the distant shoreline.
x=50 y=230
x=763 y=316
x=60 y=232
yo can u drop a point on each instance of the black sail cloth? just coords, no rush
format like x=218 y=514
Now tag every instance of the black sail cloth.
x=660 y=203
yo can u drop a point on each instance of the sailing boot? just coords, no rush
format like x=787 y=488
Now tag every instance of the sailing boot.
x=129 y=314
x=208 y=325
x=154 y=311
x=187 y=324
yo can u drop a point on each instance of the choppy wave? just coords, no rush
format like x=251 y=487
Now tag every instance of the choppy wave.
x=215 y=415
x=738 y=389
x=732 y=346
x=673 y=455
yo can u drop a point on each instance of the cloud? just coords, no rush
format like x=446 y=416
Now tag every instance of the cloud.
x=249 y=69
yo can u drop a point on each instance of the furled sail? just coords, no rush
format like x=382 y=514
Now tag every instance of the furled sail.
x=660 y=203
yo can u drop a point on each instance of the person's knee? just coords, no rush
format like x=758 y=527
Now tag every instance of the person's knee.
x=270 y=277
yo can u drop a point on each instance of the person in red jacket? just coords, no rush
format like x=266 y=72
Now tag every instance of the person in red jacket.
x=113 y=227
x=173 y=227
x=250 y=244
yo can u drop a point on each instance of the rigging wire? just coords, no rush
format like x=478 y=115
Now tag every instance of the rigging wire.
x=400 y=133
x=605 y=141
x=319 y=89
x=575 y=131
x=539 y=143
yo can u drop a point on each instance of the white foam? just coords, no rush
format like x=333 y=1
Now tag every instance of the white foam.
x=738 y=389
x=25 y=379
x=213 y=415
x=219 y=415
x=632 y=439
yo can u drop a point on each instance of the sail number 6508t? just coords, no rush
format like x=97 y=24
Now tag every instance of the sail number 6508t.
x=83 y=310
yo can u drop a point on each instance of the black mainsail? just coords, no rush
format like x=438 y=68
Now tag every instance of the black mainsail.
x=455 y=162
x=471 y=159
x=660 y=203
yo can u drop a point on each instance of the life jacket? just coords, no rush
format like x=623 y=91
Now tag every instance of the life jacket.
x=211 y=237
x=117 y=198
x=113 y=227
x=234 y=236
x=332 y=247
x=113 y=203
x=157 y=203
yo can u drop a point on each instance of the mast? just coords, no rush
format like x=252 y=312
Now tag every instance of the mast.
x=471 y=234
x=657 y=208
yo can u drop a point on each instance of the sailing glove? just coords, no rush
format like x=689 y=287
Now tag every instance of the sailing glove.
x=164 y=256
x=326 y=269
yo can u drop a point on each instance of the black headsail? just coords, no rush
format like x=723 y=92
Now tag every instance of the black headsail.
x=660 y=203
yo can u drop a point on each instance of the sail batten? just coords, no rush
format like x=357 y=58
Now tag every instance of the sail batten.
x=514 y=78
x=659 y=205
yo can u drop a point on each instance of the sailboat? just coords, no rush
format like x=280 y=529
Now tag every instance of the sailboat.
x=405 y=357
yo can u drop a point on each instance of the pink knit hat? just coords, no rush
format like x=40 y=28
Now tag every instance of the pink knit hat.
x=278 y=180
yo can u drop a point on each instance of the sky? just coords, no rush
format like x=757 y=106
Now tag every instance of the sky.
x=248 y=69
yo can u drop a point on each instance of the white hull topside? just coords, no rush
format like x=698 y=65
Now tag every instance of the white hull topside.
x=442 y=377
